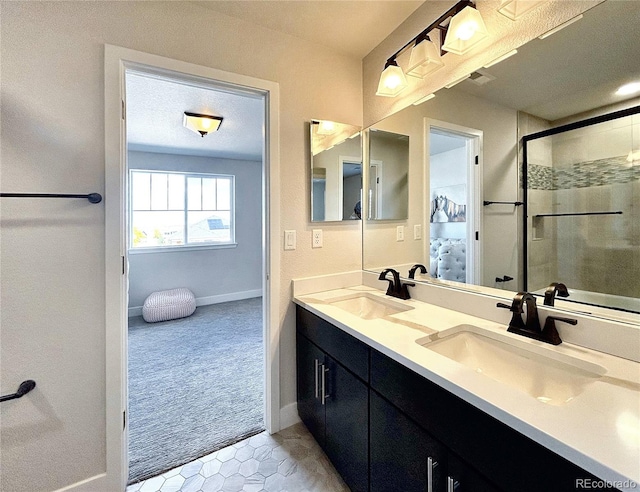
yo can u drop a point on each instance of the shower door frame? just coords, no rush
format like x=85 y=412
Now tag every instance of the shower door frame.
x=546 y=133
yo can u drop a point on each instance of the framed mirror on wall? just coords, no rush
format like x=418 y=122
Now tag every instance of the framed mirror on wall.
x=579 y=72
x=336 y=171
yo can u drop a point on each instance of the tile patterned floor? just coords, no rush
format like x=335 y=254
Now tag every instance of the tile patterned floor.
x=289 y=461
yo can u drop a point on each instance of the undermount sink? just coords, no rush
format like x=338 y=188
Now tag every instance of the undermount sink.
x=552 y=377
x=369 y=306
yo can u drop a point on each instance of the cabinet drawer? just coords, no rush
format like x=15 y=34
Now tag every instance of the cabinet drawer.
x=508 y=458
x=347 y=350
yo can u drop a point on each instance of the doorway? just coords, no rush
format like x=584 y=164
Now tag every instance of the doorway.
x=195 y=381
x=454 y=197
x=117 y=62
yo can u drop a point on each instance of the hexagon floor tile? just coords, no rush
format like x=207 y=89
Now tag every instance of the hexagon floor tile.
x=290 y=460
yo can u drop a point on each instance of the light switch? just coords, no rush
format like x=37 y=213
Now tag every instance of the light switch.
x=400 y=233
x=289 y=240
x=417 y=231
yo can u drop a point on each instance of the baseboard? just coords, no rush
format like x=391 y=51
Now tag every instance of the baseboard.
x=93 y=484
x=205 y=301
x=289 y=415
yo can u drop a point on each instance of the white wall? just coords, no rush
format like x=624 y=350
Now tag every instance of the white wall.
x=52 y=251
x=234 y=273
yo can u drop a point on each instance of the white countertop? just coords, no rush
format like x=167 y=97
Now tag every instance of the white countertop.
x=599 y=430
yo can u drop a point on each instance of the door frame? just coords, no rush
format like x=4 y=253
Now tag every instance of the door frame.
x=117 y=61
x=474 y=190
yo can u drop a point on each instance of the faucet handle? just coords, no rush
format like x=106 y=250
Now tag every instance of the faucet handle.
x=503 y=305
x=550 y=333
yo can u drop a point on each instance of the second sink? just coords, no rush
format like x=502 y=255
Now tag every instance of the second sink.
x=553 y=378
x=368 y=306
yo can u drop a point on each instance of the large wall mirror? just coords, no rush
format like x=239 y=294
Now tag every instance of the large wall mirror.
x=336 y=171
x=469 y=217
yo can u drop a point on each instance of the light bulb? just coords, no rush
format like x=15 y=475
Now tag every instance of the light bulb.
x=466 y=30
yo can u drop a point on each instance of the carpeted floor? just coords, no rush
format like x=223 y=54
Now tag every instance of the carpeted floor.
x=195 y=385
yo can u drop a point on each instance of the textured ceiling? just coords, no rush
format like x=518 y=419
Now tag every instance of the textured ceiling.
x=155 y=109
x=573 y=71
x=352 y=27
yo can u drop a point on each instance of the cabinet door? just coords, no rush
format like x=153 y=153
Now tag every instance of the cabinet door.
x=309 y=360
x=462 y=478
x=403 y=456
x=347 y=425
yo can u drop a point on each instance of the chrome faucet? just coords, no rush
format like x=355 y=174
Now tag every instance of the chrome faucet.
x=414 y=268
x=396 y=288
x=556 y=288
x=531 y=328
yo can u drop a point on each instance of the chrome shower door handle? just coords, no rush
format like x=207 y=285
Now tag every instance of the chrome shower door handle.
x=431 y=464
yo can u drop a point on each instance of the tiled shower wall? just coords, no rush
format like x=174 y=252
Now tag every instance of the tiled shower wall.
x=583 y=171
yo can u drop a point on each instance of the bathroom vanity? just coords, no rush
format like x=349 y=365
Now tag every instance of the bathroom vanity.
x=387 y=389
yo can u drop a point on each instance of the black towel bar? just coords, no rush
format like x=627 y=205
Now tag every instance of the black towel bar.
x=619 y=212
x=92 y=197
x=491 y=202
x=23 y=389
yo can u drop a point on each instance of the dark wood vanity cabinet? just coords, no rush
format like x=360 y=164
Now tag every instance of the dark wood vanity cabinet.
x=333 y=402
x=387 y=429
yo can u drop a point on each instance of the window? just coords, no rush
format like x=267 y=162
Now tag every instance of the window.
x=181 y=209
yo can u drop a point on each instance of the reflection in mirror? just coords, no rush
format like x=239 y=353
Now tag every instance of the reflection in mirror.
x=388 y=175
x=568 y=77
x=583 y=204
x=336 y=171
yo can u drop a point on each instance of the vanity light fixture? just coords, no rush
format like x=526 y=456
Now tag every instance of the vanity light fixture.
x=465 y=31
x=392 y=79
x=460 y=28
x=201 y=123
x=424 y=99
x=560 y=27
x=425 y=58
x=326 y=127
x=514 y=9
x=628 y=89
x=501 y=58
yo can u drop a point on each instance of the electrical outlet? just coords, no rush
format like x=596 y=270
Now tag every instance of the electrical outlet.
x=316 y=241
x=417 y=231
x=400 y=233
x=289 y=240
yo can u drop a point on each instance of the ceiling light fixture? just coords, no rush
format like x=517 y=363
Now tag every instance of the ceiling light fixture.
x=628 y=89
x=460 y=28
x=514 y=9
x=201 y=123
x=501 y=58
x=560 y=27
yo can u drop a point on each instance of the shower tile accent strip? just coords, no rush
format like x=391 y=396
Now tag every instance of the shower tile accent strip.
x=613 y=170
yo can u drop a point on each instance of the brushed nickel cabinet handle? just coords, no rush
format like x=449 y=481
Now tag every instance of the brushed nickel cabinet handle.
x=324 y=372
x=431 y=464
x=452 y=484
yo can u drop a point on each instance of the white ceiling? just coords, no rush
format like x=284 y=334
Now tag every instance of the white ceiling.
x=155 y=107
x=353 y=27
x=573 y=71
